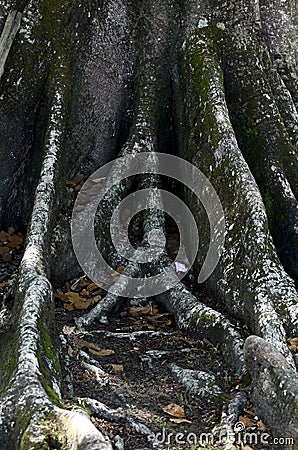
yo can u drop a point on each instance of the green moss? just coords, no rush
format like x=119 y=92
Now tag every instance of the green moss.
x=52 y=435
x=46 y=377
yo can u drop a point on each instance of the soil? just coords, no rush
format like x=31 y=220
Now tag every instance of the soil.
x=142 y=342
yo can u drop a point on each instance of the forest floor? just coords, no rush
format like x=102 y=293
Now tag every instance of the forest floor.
x=136 y=353
x=142 y=371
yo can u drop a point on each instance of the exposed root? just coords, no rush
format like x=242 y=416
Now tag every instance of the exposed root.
x=199 y=320
x=225 y=432
x=274 y=386
x=101 y=411
x=197 y=382
x=249 y=279
x=33 y=363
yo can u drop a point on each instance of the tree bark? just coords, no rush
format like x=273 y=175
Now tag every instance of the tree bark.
x=215 y=83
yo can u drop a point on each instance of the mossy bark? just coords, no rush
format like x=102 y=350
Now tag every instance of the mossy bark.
x=86 y=81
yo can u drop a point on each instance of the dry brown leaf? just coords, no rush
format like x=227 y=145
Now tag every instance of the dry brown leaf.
x=83 y=282
x=103 y=352
x=261 y=426
x=293 y=348
x=117 y=367
x=180 y=421
x=294 y=341
x=138 y=311
x=174 y=410
x=70 y=184
x=84 y=293
x=59 y=294
x=68 y=306
x=4 y=250
x=120 y=269
x=82 y=304
x=95 y=299
x=93 y=286
x=159 y=316
x=87 y=344
x=4 y=237
x=78 y=178
x=250 y=413
x=155 y=310
x=15 y=239
x=3 y=284
x=246 y=421
x=72 y=297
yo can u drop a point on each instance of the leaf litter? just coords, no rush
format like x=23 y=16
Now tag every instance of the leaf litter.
x=138 y=381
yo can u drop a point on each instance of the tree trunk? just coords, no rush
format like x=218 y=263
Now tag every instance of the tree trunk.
x=213 y=82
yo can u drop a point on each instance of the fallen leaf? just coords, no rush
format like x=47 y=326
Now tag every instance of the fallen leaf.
x=155 y=310
x=174 y=410
x=246 y=421
x=4 y=237
x=250 y=413
x=138 y=311
x=4 y=250
x=3 y=284
x=93 y=286
x=83 y=282
x=78 y=178
x=15 y=239
x=180 y=421
x=84 y=293
x=59 y=294
x=293 y=348
x=117 y=367
x=95 y=299
x=82 y=304
x=82 y=343
x=68 y=306
x=70 y=184
x=294 y=341
x=158 y=316
x=78 y=187
x=103 y=352
x=72 y=296
x=261 y=426
x=120 y=269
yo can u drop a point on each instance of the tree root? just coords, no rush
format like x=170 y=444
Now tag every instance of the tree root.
x=274 y=386
x=101 y=411
x=225 y=432
x=31 y=397
x=249 y=279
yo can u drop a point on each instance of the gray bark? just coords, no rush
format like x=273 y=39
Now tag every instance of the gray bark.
x=215 y=82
